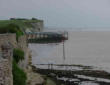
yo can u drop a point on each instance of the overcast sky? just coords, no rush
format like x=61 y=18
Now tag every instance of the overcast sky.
x=60 y=13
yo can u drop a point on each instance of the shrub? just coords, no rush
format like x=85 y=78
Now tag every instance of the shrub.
x=18 y=55
x=12 y=28
x=34 y=18
x=19 y=76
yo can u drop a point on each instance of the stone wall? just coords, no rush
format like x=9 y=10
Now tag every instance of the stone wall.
x=22 y=44
x=7 y=43
x=6 y=63
x=8 y=38
x=6 y=53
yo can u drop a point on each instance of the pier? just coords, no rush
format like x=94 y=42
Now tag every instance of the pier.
x=46 y=37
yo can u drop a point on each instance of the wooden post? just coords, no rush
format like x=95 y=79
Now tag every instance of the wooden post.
x=64 y=53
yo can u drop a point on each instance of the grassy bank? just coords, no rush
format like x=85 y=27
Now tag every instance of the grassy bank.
x=22 y=23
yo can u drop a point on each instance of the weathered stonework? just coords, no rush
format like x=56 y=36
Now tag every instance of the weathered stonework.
x=8 y=40
x=6 y=77
x=22 y=44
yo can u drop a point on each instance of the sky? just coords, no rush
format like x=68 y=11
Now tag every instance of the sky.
x=60 y=13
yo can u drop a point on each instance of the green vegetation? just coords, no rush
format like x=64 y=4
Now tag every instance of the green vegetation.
x=17 y=25
x=18 y=55
x=12 y=28
x=21 y=22
x=19 y=76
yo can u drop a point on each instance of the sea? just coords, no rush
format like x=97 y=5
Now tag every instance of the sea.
x=86 y=47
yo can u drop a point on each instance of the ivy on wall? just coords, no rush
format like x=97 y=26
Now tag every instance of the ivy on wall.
x=18 y=55
x=19 y=76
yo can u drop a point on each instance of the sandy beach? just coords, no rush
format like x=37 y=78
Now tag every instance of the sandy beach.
x=87 y=48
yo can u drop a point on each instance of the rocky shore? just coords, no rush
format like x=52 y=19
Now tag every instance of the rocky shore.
x=76 y=77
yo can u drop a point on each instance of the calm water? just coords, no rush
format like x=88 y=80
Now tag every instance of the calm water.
x=86 y=48
x=89 y=48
